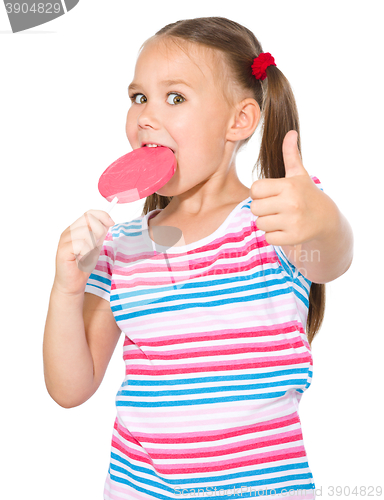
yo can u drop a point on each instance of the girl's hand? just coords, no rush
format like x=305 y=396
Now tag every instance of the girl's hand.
x=78 y=251
x=290 y=210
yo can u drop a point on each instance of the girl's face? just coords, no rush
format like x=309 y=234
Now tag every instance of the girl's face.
x=176 y=103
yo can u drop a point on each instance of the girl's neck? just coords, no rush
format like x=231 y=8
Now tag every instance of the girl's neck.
x=197 y=205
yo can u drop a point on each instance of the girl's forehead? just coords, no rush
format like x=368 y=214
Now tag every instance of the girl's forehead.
x=168 y=58
x=173 y=46
x=170 y=52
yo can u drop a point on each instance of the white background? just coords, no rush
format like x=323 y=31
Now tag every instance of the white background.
x=63 y=103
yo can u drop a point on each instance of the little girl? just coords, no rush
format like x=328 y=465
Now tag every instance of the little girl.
x=215 y=345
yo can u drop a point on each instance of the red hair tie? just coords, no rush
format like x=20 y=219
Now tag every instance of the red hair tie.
x=260 y=65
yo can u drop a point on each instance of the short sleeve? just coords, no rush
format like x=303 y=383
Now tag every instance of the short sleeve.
x=99 y=282
x=317 y=182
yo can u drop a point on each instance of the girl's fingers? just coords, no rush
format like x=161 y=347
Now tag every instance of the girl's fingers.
x=89 y=227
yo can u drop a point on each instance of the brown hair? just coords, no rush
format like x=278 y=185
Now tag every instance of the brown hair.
x=239 y=46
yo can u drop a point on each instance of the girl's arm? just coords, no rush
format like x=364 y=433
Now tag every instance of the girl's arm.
x=68 y=364
x=79 y=339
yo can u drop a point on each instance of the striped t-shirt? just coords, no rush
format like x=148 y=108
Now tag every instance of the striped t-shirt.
x=217 y=360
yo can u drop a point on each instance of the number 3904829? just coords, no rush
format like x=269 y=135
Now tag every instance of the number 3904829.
x=39 y=8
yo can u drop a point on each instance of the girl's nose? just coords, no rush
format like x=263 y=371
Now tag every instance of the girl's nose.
x=148 y=118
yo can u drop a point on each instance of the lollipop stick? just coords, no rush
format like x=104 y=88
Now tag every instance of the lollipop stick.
x=113 y=203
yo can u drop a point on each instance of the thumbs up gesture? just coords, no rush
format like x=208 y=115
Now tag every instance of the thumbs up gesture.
x=291 y=210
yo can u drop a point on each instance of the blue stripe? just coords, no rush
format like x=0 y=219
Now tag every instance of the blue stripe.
x=150 y=472
x=101 y=279
x=205 y=390
x=211 y=293
x=218 y=378
x=212 y=282
x=193 y=402
x=192 y=491
x=179 y=307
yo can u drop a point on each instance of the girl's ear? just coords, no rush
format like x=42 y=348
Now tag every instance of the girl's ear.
x=245 y=120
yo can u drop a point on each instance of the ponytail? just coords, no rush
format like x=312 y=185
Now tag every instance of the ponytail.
x=280 y=116
x=154 y=202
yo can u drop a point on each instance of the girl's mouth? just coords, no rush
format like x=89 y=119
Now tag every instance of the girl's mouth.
x=154 y=145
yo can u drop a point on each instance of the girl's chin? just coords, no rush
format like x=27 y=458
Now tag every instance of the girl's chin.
x=166 y=195
x=165 y=191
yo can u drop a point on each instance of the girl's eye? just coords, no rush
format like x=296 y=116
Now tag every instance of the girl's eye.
x=174 y=98
x=139 y=98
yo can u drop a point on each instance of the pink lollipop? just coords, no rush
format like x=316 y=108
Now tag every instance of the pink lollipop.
x=137 y=174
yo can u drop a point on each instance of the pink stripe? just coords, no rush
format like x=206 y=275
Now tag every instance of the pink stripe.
x=242 y=312
x=161 y=313
x=197 y=352
x=215 y=335
x=236 y=463
x=208 y=262
x=125 y=490
x=227 y=449
x=262 y=305
x=239 y=333
x=288 y=360
x=196 y=437
x=218 y=334
x=200 y=411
